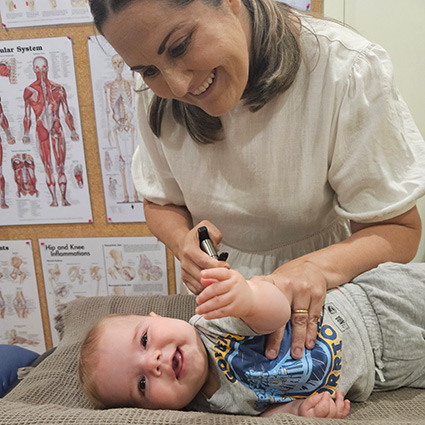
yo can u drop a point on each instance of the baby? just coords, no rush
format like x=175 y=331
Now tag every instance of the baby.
x=216 y=362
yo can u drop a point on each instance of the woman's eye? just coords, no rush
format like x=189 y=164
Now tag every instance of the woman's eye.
x=149 y=71
x=142 y=385
x=180 y=50
x=144 y=339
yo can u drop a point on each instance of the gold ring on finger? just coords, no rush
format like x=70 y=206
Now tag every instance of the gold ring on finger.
x=300 y=311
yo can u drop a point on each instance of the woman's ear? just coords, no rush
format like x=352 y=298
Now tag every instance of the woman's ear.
x=152 y=314
x=235 y=6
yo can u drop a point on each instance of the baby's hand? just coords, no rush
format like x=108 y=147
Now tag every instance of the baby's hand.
x=323 y=406
x=226 y=293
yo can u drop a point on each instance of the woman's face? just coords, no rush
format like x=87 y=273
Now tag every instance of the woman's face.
x=198 y=54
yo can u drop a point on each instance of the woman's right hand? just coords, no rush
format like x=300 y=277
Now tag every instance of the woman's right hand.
x=193 y=259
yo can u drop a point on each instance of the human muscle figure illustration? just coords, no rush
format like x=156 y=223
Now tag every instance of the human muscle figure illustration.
x=11 y=140
x=24 y=171
x=46 y=98
x=119 y=100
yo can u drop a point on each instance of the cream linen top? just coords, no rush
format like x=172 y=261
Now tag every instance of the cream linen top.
x=339 y=145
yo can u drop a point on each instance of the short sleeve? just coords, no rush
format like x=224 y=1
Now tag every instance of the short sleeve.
x=222 y=326
x=377 y=166
x=151 y=174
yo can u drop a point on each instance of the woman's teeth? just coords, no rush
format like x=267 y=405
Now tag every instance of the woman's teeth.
x=205 y=85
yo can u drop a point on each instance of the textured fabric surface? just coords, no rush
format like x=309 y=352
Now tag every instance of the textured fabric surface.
x=50 y=394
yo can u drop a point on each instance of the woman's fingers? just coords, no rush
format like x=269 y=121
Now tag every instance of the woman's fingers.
x=299 y=319
x=314 y=313
x=193 y=259
x=273 y=343
x=306 y=312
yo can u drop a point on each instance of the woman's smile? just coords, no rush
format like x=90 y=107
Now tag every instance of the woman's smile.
x=206 y=85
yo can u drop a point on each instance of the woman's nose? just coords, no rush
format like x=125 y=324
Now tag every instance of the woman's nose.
x=178 y=81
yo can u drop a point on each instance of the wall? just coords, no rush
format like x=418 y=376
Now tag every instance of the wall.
x=399 y=27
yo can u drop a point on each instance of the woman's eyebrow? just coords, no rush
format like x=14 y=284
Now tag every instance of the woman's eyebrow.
x=161 y=48
x=164 y=42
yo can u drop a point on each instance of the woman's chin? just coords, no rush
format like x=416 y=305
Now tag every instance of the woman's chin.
x=218 y=110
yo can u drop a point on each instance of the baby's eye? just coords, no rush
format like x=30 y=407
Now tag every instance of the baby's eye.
x=144 y=339
x=142 y=385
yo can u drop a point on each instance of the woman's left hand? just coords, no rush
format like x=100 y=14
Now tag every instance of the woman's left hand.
x=305 y=286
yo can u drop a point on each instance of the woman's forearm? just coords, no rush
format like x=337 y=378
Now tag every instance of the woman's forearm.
x=169 y=223
x=393 y=240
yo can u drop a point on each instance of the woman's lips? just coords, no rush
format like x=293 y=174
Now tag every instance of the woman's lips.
x=206 y=85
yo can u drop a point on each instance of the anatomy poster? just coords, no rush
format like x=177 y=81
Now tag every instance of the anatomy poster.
x=31 y=13
x=42 y=167
x=298 y=4
x=20 y=314
x=88 y=267
x=113 y=94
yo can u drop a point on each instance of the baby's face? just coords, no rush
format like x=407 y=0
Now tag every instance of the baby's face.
x=151 y=362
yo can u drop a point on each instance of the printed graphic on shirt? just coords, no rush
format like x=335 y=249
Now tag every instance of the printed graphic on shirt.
x=283 y=379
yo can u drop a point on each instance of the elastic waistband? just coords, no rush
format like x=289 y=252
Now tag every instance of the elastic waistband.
x=360 y=301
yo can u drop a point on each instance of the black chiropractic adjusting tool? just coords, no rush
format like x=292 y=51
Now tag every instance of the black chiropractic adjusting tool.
x=208 y=247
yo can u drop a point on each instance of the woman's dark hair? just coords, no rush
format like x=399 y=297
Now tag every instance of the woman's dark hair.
x=274 y=62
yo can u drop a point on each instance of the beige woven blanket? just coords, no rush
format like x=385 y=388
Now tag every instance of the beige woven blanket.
x=50 y=394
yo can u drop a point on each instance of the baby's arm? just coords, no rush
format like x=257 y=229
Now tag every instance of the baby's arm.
x=259 y=303
x=315 y=406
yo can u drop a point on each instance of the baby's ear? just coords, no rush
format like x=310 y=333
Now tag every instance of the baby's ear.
x=152 y=314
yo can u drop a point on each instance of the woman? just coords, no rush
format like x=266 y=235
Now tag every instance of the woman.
x=281 y=132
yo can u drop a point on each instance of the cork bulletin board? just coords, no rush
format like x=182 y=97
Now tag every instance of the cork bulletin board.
x=99 y=227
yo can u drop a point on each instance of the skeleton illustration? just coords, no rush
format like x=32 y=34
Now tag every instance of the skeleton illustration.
x=95 y=275
x=118 y=290
x=2 y=306
x=108 y=161
x=4 y=123
x=14 y=338
x=60 y=290
x=45 y=98
x=17 y=272
x=147 y=270
x=126 y=272
x=74 y=274
x=20 y=305
x=113 y=187
x=119 y=101
x=24 y=171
